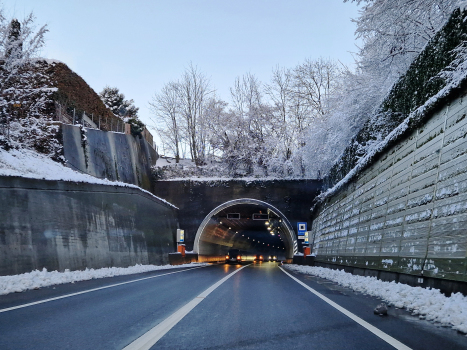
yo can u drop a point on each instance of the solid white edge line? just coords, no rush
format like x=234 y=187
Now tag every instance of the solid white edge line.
x=95 y=289
x=386 y=337
x=151 y=337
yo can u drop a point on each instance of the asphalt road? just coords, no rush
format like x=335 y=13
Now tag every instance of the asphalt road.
x=259 y=307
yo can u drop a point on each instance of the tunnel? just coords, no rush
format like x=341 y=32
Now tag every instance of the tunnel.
x=249 y=225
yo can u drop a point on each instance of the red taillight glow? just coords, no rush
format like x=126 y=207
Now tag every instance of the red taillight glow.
x=261 y=257
x=239 y=257
x=227 y=257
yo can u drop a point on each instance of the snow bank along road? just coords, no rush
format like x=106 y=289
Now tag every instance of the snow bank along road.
x=257 y=306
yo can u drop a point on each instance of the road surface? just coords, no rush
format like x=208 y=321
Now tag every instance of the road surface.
x=256 y=306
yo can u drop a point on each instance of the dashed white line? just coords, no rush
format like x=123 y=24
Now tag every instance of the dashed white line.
x=147 y=340
x=386 y=337
x=92 y=290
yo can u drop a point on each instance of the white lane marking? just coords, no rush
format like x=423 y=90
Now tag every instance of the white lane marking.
x=147 y=340
x=386 y=337
x=93 y=290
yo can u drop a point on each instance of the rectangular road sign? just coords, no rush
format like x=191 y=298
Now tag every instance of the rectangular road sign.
x=180 y=236
x=306 y=238
x=301 y=229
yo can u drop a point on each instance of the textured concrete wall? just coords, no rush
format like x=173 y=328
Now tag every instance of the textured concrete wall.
x=66 y=225
x=110 y=155
x=408 y=211
x=196 y=199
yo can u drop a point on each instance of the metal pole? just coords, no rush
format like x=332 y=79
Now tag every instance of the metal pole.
x=73 y=116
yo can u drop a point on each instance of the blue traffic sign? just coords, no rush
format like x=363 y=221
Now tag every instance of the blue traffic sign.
x=301 y=228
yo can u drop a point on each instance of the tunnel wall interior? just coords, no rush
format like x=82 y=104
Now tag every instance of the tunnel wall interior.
x=218 y=233
x=65 y=225
x=197 y=198
x=110 y=155
x=407 y=212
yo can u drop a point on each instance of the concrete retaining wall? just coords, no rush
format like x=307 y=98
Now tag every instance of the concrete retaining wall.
x=407 y=212
x=110 y=155
x=64 y=225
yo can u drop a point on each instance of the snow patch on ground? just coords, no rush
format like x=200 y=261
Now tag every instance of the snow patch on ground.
x=429 y=304
x=30 y=164
x=38 y=279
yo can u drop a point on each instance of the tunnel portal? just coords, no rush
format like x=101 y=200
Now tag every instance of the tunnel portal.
x=249 y=225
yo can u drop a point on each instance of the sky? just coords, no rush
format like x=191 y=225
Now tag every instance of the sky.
x=140 y=45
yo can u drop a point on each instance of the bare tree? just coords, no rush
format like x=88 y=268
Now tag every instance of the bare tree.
x=314 y=82
x=193 y=93
x=279 y=92
x=166 y=108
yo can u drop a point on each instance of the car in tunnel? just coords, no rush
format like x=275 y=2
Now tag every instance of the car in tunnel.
x=259 y=257
x=234 y=256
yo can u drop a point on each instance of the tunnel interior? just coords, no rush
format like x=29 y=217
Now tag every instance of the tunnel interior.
x=251 y=226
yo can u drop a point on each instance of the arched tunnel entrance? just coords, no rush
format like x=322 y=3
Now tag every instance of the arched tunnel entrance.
x=250 y=225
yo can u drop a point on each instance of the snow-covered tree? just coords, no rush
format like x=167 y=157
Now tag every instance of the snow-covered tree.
x=116 y=102
x=166 y=108
x=25 y=89
x=122 y=108
x=393 y=33
x=193 y=94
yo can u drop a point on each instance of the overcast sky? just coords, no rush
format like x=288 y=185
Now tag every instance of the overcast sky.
x=140 y=45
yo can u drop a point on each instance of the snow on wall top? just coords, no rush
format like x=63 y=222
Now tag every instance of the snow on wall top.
x=29 y=164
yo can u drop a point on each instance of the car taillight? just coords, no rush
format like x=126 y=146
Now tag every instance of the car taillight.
x=239 y=257
x=261 y=257
x=227 y=257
